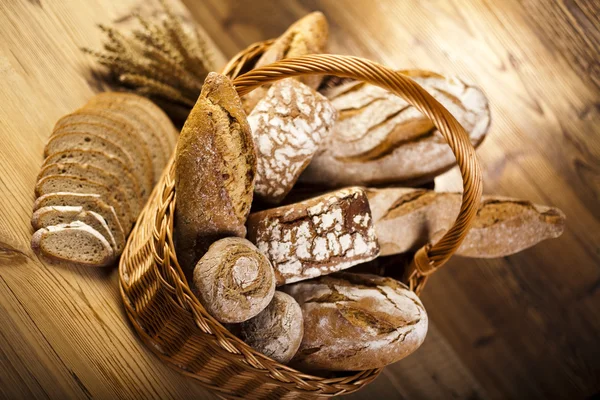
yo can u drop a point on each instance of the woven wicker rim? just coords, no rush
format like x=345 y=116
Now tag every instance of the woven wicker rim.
x=152 y=238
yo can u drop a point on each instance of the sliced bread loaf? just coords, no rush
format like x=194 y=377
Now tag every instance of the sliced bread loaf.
x=56 y=215
x=75 y=243
x=98 y=175
x=75 y=184
x=88 y=201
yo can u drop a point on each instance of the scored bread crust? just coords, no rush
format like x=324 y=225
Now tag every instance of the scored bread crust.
x=215 y=170
x=91 y=202
x=75 y=243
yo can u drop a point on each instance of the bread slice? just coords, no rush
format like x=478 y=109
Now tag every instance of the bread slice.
x=56 y=215
x=132 y=146
x=88 y=201
x=71 y=183
x=167 y=136
x=75 y=243
x=98 y=175
x=103 y=161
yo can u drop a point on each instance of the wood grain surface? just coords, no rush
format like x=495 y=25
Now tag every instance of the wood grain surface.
x=525 y=326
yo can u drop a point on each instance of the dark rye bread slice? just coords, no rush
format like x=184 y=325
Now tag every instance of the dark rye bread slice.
x=95 y=174
x=126 y=123
x=104 y=161
x=138 y=153
x=75 y=244
x=168 y=138
x=56 y=215
x=75 y=184
x=88 y=201
x=88 y=141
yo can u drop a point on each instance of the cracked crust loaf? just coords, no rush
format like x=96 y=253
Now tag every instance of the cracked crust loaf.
x=288 y=125
x=316 y=237
x=379 y=138
x=215 y=169
x=277 y=331
x=355 y=322
x=233 y=280
x=406 y=219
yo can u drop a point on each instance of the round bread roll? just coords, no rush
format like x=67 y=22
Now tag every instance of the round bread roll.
x=354 y=322
x=276 y=331
x=234 y=281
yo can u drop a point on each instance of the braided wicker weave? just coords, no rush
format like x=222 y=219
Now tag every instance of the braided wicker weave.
x=171 y=320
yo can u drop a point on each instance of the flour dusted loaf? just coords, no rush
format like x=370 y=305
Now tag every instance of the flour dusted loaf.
x=101 y=164
x=355 y=322
x=308 y=35
x=406 y=219
x=288 y=125
x=379 y=138
x=316 y=237
x=233 y=280
x=277 y=331
x=215 y=169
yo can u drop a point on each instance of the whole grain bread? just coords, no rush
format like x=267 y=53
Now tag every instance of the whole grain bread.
x=355 y=322
x=215 y=169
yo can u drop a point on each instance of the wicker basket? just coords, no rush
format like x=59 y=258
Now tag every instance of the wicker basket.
x=171 y=320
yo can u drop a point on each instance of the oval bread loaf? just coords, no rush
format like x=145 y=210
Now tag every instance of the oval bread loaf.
x=355 y=322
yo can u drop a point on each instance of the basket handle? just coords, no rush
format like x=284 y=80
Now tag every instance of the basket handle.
x=432 y=256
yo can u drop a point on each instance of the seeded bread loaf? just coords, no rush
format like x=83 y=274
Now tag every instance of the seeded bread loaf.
x=75 y=243
x=406 y=219
x=287 y=125
x=355 y=322
x=277 y=331
x=233 y=280
x=215 y=168
x=316 y=237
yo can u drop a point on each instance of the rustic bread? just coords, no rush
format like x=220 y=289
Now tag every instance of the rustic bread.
x=75 y=244
x=215 y=168
x=56 y=215
x=137 y=152
x=233 y=280
x=308 y=35
x=315 y=237
x=407 y=219
x=277 y=331
x=379 y=138
x=98 y=175
x=103 y=161
x=88 y=201
x=75 y=184
x=355 y=322
x=287 y=125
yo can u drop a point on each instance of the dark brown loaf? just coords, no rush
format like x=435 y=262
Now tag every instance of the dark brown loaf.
x=215 y=169
x=356 y=322
x=379 y=138
x=316 y=237
x=233 y=280
x=277 y=331
x=407 y=219
x=288 y=125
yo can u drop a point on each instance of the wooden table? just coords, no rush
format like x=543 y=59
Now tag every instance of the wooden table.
x=525 y=326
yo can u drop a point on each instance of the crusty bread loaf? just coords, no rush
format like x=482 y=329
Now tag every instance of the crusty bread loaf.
x=233 y=280
x=315 y=237
x=308 y=35
x=92 y=202
x=287 y=125
x=56 y=215
x=356 y=322
x=406 y=219
x=277 y=331
x=75 y=244
x=215 y=170
x=379 y=138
